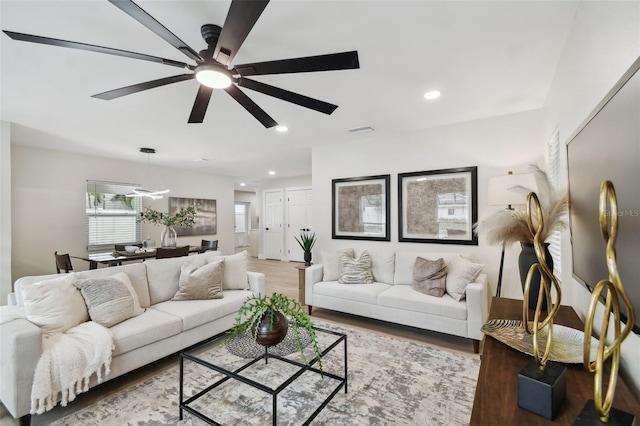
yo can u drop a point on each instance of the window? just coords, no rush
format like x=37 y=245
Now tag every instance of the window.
x=555 y=239
x=111 y=215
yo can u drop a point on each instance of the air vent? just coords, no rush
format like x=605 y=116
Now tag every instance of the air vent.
x=361 y=129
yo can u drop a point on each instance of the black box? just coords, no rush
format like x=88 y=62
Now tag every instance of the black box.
x=589 y=417
x=542 y=391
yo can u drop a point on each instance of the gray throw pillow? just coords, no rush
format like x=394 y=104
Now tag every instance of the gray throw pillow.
x=356 y=271
x=430 y=276
x=110 y=300
x=201 y=282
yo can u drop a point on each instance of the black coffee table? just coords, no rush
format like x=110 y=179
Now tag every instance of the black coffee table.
x=221 y=374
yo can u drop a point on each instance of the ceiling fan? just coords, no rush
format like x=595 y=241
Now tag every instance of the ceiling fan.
x=213 y=68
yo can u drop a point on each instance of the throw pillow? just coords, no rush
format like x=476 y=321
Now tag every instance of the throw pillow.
x=199 y=283
x=430 y=276
x=332 y=263
x=235 y=271
x=111 y=299
x=461 y=272
x=54 y=305
x=356 y=271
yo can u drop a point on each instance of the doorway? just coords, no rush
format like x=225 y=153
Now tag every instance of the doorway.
x=241 y=224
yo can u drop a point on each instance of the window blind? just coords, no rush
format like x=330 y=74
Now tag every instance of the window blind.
x=555 y=239
x=112 y=217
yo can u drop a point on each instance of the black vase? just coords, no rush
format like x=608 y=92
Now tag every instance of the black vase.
x=269 y=335
x=525 y=260
x=307 y=259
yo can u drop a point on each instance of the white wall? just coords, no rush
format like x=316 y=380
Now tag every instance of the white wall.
x=495 y=145
x=5 y=211
x=48 y=210
x=603 y=43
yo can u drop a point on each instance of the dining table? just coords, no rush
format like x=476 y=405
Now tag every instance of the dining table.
x=115 y=258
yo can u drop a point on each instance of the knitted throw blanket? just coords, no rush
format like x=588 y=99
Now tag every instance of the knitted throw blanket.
x=67 y=363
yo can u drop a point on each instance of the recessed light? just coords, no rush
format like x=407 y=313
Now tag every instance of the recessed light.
x=434 y=94
x=282 y=128
x=271 y=172
x=243 y=184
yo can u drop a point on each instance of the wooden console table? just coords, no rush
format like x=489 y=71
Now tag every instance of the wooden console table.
x=496 y=399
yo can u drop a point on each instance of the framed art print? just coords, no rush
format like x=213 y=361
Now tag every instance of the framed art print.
x=360 y=208
x=438 y=206
x=206 y=215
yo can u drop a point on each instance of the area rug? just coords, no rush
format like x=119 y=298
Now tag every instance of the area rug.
x=390 y=382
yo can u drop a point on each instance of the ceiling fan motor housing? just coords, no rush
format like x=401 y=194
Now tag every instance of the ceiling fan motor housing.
x=210 y=34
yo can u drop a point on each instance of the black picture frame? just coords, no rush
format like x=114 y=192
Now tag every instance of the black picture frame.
x=360 y=208
x=438 y=206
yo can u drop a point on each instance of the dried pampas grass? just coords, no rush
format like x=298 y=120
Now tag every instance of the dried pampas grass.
x=510 y=226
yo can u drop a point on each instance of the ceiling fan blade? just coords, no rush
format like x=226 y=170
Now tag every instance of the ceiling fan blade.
x=330 y=62
x=92 y=48
x=251 y=106
x=242 y=16
x=200 y=105
x=137 y=13
x=288 y=96
x=129 y=90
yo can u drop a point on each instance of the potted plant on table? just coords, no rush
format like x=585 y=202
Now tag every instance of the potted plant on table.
x=509 y=226
x=184 y=218
x=267 y=319
x=306 y=241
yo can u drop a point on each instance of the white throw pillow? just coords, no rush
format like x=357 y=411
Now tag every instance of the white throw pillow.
x=461 y=272
x=54 y=305
x=111 y=299
x=235 y=271
x=201 y=282
x=332 y=263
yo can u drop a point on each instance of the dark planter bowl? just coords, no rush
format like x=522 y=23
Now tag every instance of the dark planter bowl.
x=268 y=335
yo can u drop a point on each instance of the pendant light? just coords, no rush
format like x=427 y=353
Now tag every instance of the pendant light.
x=154 y=194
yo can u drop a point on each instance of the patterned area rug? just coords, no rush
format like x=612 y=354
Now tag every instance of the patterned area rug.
x=390 y=382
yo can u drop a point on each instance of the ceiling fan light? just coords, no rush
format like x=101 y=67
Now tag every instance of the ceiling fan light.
x=212 y=76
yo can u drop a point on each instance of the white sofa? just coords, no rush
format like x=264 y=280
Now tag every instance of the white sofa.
x=164 y=328
x=392 y=298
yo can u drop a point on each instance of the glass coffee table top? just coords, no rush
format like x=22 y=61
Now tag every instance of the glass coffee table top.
x=222 y=388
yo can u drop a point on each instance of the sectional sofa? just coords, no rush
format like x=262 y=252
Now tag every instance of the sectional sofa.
x=392 y=297
x=164 y=327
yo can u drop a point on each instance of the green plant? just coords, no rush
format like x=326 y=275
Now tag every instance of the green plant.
x=306 y=241
x=255 y=307
x=510 y=226
x=184 y=218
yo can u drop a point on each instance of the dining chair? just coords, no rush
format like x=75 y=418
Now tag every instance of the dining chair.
x=121 y=247
x=207 y=245
x=63 y=262
x=164 y=252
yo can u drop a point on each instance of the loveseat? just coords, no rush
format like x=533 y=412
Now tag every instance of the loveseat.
x=392 y=296
x=163 y=326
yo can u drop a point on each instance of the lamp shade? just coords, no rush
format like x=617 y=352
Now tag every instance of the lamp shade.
x=504 y=190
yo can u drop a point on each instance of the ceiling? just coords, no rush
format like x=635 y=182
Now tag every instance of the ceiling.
x=487 y=59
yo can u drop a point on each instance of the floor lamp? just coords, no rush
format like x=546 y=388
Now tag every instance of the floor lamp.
x=507 y=191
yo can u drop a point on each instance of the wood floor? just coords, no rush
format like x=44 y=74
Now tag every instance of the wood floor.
x=281 y=277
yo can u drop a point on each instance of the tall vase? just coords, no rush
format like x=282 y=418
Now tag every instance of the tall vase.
x=169 y=236
x=525 y=260
x=307 y=258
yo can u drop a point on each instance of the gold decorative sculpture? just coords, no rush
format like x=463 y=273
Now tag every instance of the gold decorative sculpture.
x=546 y=277
x=614 y=292
x=542 y=383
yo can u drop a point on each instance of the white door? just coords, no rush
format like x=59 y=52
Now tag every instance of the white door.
x=272 y=222
x=299 y=211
